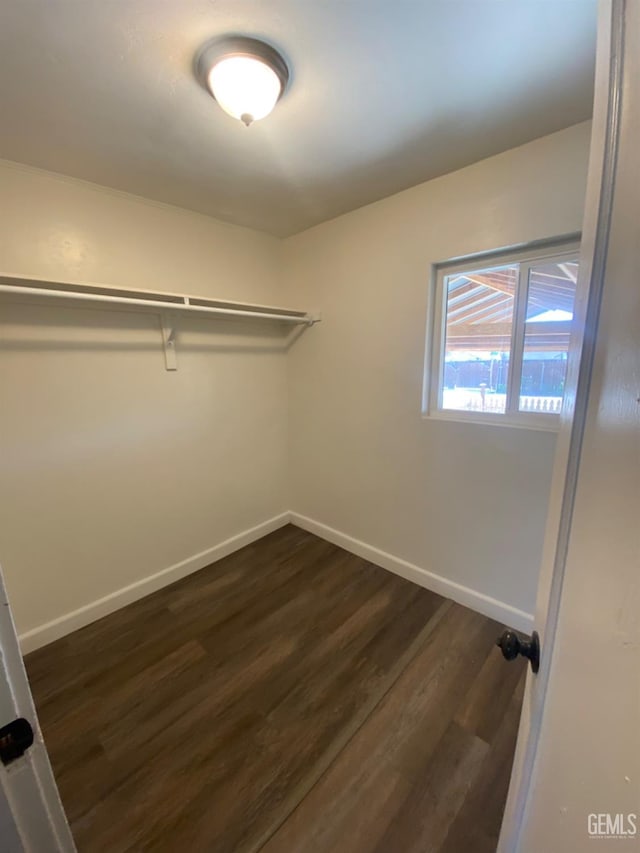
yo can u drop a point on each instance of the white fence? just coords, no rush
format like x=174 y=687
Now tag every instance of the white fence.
x=550 y=405
x=474 y=400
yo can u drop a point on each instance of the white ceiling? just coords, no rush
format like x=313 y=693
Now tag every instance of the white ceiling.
x=383 y=95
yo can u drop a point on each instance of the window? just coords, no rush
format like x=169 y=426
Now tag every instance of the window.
x=501 y=337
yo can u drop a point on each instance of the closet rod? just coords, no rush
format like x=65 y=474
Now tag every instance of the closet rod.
x=293 y=317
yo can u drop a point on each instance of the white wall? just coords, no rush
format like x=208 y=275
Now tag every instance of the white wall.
x=466 y=502
x=111 y=468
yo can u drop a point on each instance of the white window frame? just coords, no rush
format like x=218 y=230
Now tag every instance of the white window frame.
x=552 y=251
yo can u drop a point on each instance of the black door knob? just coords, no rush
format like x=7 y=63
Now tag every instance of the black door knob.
x=512 y=646
x=15 y=740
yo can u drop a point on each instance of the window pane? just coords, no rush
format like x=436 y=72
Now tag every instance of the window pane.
x=550 y=301
x=477 y=347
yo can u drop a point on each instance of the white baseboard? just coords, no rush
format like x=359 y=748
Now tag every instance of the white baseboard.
x=50 y=631
x=498 y=610
x=491 y=607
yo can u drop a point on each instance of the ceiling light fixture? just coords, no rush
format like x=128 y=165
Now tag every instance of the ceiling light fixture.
x=245 y=76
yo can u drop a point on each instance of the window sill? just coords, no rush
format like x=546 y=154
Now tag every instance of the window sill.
x=538 y=422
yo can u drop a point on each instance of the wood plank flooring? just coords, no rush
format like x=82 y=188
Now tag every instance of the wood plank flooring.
x=291 y=698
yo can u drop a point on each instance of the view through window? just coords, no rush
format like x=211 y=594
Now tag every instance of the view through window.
x=505 y=336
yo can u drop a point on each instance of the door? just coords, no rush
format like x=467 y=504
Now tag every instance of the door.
x=31 y=815
x=576 y=774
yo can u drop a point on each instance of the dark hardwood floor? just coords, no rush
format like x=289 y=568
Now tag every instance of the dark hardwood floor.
x=291 y=698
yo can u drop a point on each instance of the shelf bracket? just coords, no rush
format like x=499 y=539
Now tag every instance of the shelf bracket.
x=168 y=329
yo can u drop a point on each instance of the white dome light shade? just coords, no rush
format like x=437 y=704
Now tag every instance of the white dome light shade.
x=245 y=87
x=244 y=75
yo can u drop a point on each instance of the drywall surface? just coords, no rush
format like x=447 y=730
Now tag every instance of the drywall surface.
x=464 y=501
x=111 y=468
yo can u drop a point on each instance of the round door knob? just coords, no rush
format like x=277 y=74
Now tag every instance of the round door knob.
x=512 y=646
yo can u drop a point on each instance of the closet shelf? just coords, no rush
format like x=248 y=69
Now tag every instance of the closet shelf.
x=155 y=301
